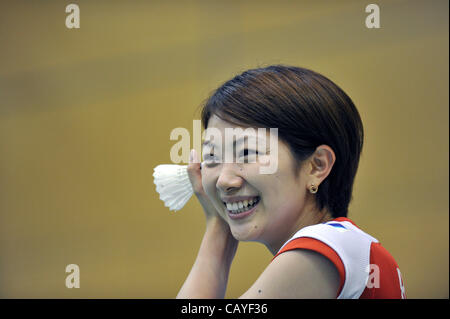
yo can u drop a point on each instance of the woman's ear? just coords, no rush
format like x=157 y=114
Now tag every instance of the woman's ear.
x=322 y=161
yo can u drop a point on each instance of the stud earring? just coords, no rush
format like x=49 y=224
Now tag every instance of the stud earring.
x=313 y=189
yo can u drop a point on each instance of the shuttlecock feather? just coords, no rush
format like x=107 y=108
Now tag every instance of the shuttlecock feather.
x=173 y=185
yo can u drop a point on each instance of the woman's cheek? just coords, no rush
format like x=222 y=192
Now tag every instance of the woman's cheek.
x=207 y=185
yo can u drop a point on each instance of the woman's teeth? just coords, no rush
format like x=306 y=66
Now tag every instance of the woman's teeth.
x=241 y=206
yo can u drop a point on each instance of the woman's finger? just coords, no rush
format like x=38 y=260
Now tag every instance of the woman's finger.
x=194 y=172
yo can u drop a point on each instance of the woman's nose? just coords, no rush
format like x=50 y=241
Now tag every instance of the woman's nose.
x=229 y=181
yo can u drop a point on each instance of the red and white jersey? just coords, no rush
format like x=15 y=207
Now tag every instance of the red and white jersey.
x=366 y=269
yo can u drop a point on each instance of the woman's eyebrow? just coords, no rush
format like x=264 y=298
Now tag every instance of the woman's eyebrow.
x=239 y=141
x=236 y=142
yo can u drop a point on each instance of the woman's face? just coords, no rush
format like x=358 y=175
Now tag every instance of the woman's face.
x=258 y=207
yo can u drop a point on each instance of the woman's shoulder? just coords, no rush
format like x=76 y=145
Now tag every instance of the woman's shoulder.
x=296 y=274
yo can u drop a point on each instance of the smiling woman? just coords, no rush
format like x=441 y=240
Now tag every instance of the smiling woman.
x=299 y=211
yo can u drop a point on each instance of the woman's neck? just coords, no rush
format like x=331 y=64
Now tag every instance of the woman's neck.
x=310 y=217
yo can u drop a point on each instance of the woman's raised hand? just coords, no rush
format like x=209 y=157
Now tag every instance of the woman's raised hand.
x=209 y=274
x=195 y=176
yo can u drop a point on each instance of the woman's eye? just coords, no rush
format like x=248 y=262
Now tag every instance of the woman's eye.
x=210 y=158
x=249 y=152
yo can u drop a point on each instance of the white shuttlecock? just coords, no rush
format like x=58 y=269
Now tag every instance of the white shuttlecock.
x=173 y=185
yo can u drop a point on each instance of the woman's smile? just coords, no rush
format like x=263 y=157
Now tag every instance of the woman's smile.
x=241 y=207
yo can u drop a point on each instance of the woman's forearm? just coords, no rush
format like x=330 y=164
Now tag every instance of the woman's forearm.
x=209 y=275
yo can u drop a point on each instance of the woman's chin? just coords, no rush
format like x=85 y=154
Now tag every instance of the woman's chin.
x=245 y=233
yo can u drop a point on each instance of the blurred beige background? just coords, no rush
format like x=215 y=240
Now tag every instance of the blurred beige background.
x=85 y=116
